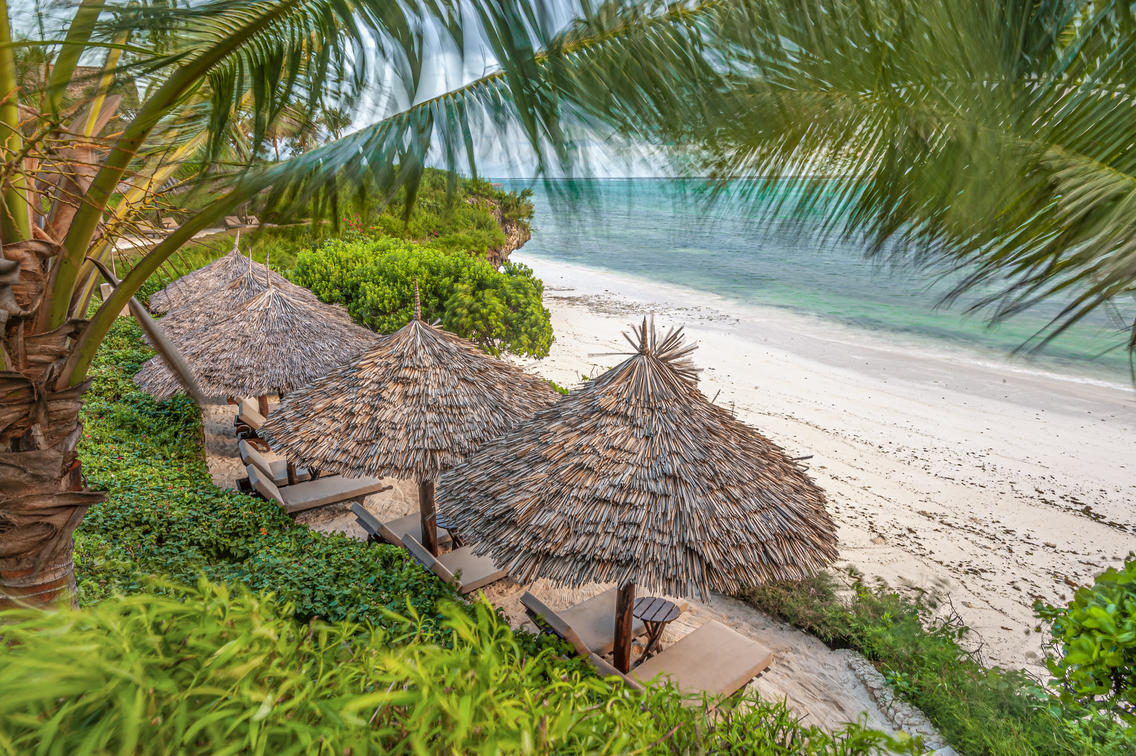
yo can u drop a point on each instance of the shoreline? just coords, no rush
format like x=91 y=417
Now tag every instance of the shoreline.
x=989 y=484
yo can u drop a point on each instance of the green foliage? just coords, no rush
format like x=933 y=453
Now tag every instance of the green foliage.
x=163 y=516
x=1096 y=639
x=498 y=310
x=211 y=667
x=978 y=709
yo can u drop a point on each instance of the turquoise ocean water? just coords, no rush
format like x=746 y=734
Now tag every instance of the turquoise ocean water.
x=662 y=230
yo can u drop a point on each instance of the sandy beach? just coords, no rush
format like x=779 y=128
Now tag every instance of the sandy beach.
x=981 y=480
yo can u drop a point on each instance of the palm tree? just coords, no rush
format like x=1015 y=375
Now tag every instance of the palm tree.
x=72 y=187
x=993 y=140
x=995 y=136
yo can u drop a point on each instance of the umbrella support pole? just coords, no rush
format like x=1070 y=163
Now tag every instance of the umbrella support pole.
x=429 y=516
x=262 y=404
x=624 y=604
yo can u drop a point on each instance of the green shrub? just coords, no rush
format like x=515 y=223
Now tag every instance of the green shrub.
x=209 y=670
x=498 y=310
x=163 y=516
x=1095 y=636
x=978 y=709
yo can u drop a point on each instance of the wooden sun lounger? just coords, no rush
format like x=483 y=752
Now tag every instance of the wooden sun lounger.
x=592 y=620
x=392 y=531
x=476 y=571
x=332 y=489
x=276 y=469
x=714 y=660
x=249 y=419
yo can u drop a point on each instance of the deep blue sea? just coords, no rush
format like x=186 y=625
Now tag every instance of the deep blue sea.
x=664 y=230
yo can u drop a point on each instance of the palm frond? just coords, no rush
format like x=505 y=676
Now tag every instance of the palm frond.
x=991 y=140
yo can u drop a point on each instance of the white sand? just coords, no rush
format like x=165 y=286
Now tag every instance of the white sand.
x=985 y=481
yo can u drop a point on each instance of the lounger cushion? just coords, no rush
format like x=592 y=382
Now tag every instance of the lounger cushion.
x=393 y=531
x=272 y=465
x=555 y=622
x=476 y=571
x=313 y=493
x=713 y=659
x=594 y=620
x=249 y=414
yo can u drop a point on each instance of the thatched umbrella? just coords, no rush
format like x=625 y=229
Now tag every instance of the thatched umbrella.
x=273 y=342
x=201 y=312
x=209 y=279
x=227 y=281
x=636 y=478
x=413 y=405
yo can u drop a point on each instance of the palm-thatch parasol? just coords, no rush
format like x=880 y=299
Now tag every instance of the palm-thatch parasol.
x=201 y=312
x=273 y=342
x=636 y=478
x=230 y=280
x=208 y=280
x=410 y=407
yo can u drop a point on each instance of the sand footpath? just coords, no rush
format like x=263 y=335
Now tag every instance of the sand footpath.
x=980 y=479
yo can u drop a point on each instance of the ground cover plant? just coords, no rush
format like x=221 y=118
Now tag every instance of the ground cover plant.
x=1094 y=640
x=500 y=310
x=978 y=709
x=213 y=670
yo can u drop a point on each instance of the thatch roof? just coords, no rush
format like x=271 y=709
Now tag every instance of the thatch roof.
x=199 y=289
x=273 y=342
x=199 y=313
x=208 y=280
x=413 y=405
x=212 y=301
x=637 y=477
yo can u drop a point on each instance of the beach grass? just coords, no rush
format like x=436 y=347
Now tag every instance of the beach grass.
x=924 y=656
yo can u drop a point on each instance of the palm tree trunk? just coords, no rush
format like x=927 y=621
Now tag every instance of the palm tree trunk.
x=42 y=497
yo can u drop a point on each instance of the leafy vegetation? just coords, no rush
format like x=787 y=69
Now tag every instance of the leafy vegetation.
x=1095 y=636
x=498 y=310
x=164 y=517
x=209 y=669
x=978 y=709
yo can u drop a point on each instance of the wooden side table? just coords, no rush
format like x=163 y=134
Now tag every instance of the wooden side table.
x=655 y=614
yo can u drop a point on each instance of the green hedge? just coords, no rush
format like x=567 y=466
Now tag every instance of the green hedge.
x=978 y=709
x=464 y=221
x=163 y=516
x=499 y=310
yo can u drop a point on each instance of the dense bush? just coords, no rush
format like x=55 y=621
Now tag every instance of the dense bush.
x=163 y=516
x=978 y=709
x=1095 y=636
x=207 y=670
x=499 y=310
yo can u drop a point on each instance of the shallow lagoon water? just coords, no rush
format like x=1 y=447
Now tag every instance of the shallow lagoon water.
x=664 y=230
